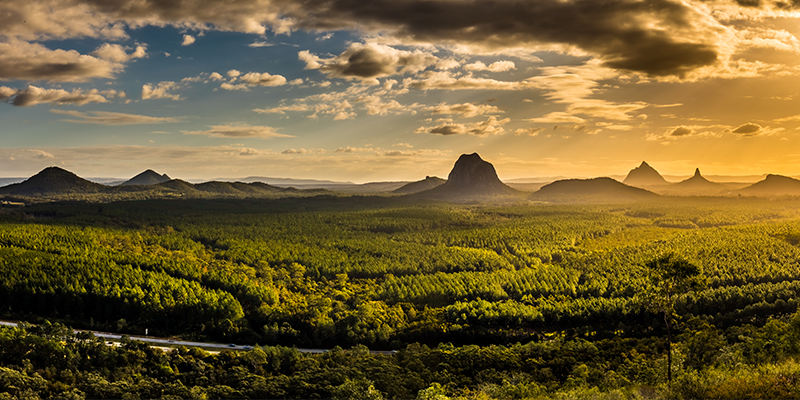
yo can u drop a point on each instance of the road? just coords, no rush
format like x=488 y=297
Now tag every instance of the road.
x=161 y=342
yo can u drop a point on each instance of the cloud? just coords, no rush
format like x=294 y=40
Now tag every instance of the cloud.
x=113 y=118
x=529 y=131
x=35 y=62
x=187 y=40
x=260 y=44
x=233 y=73
x=466 y=110
x=445 y=80
x=238 y=131
x=160 y=91
x=682 y=131
x=558 y=117
x=118 y=53
x=491 y=126
x=33 y=95
x=349 y=149
x=375 y=106
x=282 y=109
x=241 y=86
x=497 y=66
x=262 y=79
x=216 y=76
x=344 y=115
x=752 y=129
x=368 y=61
x=658 y=38
x=296 y=151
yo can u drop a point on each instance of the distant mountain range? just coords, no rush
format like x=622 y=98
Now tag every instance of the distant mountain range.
x=471 y=179
x=55 y=181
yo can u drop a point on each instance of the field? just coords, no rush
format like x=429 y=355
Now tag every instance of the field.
x=518 y=300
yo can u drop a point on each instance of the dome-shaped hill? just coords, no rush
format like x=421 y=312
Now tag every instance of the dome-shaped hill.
x=471 y=179
x=428 y=183
x=148 y=177
x=176 y=185
x=644 y=175
x=773 y=185
x=590 y=190
x=52 y=181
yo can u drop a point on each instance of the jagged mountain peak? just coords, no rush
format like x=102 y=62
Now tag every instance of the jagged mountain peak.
x=644 y=175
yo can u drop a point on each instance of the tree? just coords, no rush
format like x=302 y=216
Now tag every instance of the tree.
x=671 y=277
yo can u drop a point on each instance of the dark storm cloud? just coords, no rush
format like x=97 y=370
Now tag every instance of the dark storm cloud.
x=619 y=31
x=655 y=37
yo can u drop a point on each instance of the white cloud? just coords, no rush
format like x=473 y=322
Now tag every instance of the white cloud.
x=187 y=40
x=445 y=80
x=238 y=131
x=262 y=79
x=160 y=91
x=529 y=131
x=241 y=86
x=233 y=73
x=466 y=110
x=257 y=44
x=113 y=118
x=491 y=126
x=118 y=53
x=282 y=109
x=497 y=66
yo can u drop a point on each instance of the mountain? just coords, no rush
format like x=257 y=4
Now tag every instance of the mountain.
x=644 y=175
x=52 y=181
x=697 y=185
x=773 y=185
x=429 y=182
x=471 y=179
x=148 y=177
x=590 y=190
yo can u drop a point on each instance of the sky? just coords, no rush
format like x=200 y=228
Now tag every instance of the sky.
x=381 y=90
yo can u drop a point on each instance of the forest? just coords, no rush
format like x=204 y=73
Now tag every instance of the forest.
x=511 y=301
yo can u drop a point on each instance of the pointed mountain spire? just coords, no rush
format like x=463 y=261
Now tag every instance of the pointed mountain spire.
x=697 y=172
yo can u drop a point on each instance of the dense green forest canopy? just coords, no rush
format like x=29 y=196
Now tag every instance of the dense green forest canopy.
x=346 y=271
x=332 y=271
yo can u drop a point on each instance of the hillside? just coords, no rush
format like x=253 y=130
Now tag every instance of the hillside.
x=773 y=185
x=52 y=181
x=148 y=177
x=644 y=175
x=471 y=179
x=428 y=183
x=590 y=190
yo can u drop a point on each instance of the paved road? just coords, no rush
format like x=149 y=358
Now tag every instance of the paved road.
x=173 y=343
